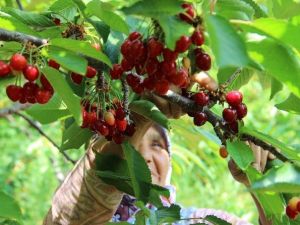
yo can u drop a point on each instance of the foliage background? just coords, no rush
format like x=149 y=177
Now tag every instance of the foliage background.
x=29 y=162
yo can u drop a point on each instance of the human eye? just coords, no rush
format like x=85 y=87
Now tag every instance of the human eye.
x=156 y=144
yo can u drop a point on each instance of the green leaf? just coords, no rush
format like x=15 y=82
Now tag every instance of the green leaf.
x=9 y=23
x=276 y=86
x=138 y=171
x=226 y=42
x=118 y=223
x=81 y=47
x=285 y=9
x=171 y=23
x=240 y=152
x=215 y=220
x=292 y=104
x=62 y=88
x=112 y=19
x=278 y=61
x=150 y=111
x=285 y=179
x=7 y=49
x=67 y=9
x=29 y=18
x=74 y=137
x=9 y=208
x=257 y=9
x=68 y=59
x=102 y=29
x=290 y=153
x=232 y=9
x=154 y=8
x=53 y=111
x=282 y=30
x=168 y=214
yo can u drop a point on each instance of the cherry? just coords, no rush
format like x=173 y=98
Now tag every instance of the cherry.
x=293 y=203
x=53 y=64
x=101 y=128
x=31 y=73
x=200 y=118
x=130 y=129
x=201 y=98
x=298 y=206
x=223 y=152
x=76 y=78
x=229 y=115
x=137 y=52
x=162 y=87
x=29 y=90
x=234 y=127
x=139 y=88
x=169 y=55
x=189 y=13
x=120 y=113
x=121 y=125
x=167 y=68
x=183 y=44
x=125 y=48
x=18 y=62
x=203 y=61
x=56 y=21
x=152 y=66
x=241 y=110
x=154 y=47
x=4 y=69
x=197 y=38
x=46 y=84
x=140 y=69
x=149 y=83
x=234 y=98
x=43 y=96
x=109 y=118
x=116 y=71
x=132 y=80
x=126 y=65
x=180 y=78
x=90 y=72
x=134 y=35
x=118 y=138
x=14 y=92
x=291 y=213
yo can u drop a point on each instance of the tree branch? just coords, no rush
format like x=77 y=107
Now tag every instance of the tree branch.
x=15 y=108
x=6 y=35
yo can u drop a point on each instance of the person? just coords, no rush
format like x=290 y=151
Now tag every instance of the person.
x=84 y=199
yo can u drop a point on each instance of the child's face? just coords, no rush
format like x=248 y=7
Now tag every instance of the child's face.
x=154 y=150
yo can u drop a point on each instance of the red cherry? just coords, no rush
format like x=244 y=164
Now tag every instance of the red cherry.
x=132 y=80
x=120 y=113
x=53 y=64
x=152 y=66
x=223 y=152
x=116 y=72
x=234 y=127
x=189 y=13
x=126 y=65
x=149 y=83
x=121 y=125
x=197 y=38
x=130 y=129
x=56 y=21
x=4 y=69
x=291 y=213
x=234 y=98
x=138 y=88
x=298 y=206
x=241 y=110
x=154 y=47
x=90 y=72
x=140 y=69
x=31 y=73
x=76 y=78
x=101 y=128
x=43 y=96
x=137 y=52
x=229 y=115
x=201 y=98
x=14 y=92
x=46 y=84
x=200 y=119
x=179 y=78
x=134 y=35
x=109 y=118
x=203 y=61
x=162 y=87
x=183 y=44
x=169 y=55
x=18 y=62
x=118 y=138
x=125 y=47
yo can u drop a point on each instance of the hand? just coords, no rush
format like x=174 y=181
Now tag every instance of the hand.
x=261 y=157
x=173 y=110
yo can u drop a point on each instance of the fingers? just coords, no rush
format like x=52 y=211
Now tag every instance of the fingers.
x=257 y=156
x=264 y=159
x=205 y=81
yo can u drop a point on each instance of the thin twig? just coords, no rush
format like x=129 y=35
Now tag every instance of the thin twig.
x=232 y=78
x=37 y=127
x=19 y=4
x=6 y=35
x=13 y=109
x=125 y=90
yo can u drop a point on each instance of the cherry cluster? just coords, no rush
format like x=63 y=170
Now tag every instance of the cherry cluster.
x=112 y=123
x=31 y=91
x=293 y=208
x=150 y=65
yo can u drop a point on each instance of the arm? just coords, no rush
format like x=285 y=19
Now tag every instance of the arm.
x=83 y=198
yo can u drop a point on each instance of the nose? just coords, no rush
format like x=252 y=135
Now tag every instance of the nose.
x=146 y=153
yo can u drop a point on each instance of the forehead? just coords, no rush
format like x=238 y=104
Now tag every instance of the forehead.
x=153 y=132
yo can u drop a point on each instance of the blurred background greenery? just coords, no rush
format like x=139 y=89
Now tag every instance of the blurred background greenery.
x=31 y=167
